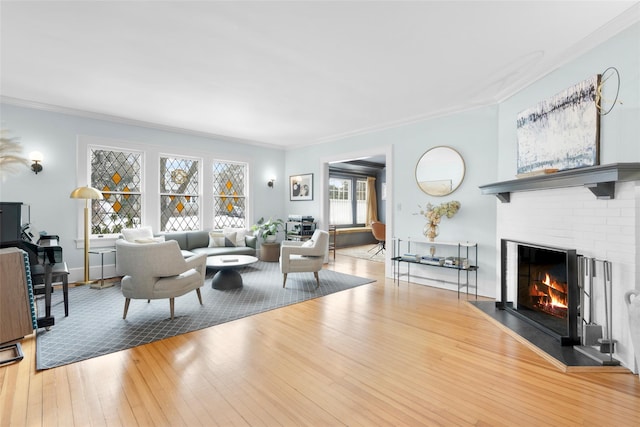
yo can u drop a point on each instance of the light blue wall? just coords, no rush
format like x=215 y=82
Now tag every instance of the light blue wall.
x=619 y=130
x=472 y=133
x=486 y=138
x=55 y=135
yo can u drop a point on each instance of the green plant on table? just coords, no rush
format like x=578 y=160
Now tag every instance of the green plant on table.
x=267 y=228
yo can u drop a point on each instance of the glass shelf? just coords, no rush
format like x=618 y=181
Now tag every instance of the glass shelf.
x=465 y=249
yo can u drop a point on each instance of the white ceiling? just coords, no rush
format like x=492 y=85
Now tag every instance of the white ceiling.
x=289 y=73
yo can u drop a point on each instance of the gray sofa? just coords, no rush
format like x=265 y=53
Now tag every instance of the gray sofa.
x=197 y=242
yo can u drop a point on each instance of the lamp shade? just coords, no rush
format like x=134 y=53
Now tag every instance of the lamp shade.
x=35 y=156
x=86 y=193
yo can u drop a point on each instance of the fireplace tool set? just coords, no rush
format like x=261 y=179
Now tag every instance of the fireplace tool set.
x=592 y=334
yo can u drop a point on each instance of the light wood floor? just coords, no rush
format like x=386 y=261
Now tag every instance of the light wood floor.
x=379 y=354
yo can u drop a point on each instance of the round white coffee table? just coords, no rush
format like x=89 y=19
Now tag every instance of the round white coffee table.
x=227 y=277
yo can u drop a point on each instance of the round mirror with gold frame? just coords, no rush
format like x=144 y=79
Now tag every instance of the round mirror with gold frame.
x=440 y=171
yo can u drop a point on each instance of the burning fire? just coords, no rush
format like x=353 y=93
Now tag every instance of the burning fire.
x=557 y=292
x=549 y=296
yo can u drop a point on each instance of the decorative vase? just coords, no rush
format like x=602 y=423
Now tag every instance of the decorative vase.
x=430 y=231
x=271 y=238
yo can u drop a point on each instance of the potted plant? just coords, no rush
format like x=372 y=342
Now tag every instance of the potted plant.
x=268 y=229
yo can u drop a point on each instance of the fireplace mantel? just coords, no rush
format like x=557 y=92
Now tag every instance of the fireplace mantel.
x=600 y=180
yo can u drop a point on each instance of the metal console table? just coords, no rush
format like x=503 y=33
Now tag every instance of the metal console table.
x=462 y=263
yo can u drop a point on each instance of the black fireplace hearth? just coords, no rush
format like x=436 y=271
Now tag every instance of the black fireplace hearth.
x=540 y=286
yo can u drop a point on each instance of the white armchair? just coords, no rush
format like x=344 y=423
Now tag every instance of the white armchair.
x=307 y=256
x=158 y=270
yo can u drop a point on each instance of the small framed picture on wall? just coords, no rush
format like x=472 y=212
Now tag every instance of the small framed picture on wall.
x=301 y=187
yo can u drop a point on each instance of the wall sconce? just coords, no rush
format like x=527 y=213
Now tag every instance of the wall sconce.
x=36 y=158
x=271 y=182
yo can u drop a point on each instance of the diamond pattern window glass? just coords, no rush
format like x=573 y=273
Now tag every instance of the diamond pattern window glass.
x=179 y=201
x=118 y=175
x=229 y=194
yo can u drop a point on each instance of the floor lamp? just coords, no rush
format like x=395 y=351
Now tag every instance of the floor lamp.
x=86 y=193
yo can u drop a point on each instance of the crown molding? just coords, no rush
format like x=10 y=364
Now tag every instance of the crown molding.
x=17 y=102
x=612 y=28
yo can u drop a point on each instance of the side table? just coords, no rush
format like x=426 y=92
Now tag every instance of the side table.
x=101 y=252
x=270 y=252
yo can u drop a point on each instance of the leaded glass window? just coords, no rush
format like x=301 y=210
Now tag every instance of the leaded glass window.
x=117 y=174
x=179 y=201
x=229 y=194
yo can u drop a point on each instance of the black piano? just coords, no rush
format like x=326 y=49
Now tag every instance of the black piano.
x=44 y=256
x=46 y=262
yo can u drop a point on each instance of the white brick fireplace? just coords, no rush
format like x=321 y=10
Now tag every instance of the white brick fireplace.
x=574 y=218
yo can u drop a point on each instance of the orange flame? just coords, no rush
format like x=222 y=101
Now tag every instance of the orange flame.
x=556 y=292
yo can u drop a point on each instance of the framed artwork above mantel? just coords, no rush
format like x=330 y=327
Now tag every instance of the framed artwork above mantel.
x=562 y=132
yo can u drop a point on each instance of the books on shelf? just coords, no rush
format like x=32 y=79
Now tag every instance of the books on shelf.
x=432 y=260
x=451 y=261
x=456 y=262
x=411 y=257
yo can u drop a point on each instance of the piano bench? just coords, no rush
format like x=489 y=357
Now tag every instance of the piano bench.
x=59 y=273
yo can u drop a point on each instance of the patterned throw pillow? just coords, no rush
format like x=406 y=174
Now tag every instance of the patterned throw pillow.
x=219 y=239
x=240 y=234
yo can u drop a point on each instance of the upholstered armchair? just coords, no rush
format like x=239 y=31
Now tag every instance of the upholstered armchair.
x=158 y=270
x=307 y=256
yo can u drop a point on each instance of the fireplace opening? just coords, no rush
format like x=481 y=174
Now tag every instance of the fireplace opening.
x=544 y=288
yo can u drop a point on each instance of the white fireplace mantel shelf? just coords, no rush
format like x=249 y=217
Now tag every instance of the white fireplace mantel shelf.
x=600 y=180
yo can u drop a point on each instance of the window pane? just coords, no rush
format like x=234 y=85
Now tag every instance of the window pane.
x=115 y=212
x=179 y=209
x=229 y=189
x=361 y=197
x=179 y=213
x=115 y=171
x=179 y=176
x=340 y=208
x=117 y=175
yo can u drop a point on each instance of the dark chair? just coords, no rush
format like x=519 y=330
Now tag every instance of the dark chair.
x=332 y=239
x=379 y=231
x=59 y=273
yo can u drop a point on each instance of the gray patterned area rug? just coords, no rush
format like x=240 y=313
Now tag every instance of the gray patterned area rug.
x=368 y=252
x=95 y=326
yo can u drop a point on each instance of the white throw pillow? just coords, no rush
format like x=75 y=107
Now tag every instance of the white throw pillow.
x=131 y=234
x=309 y=243
x=240 y=234
x=150 y=240
x=220 y=239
